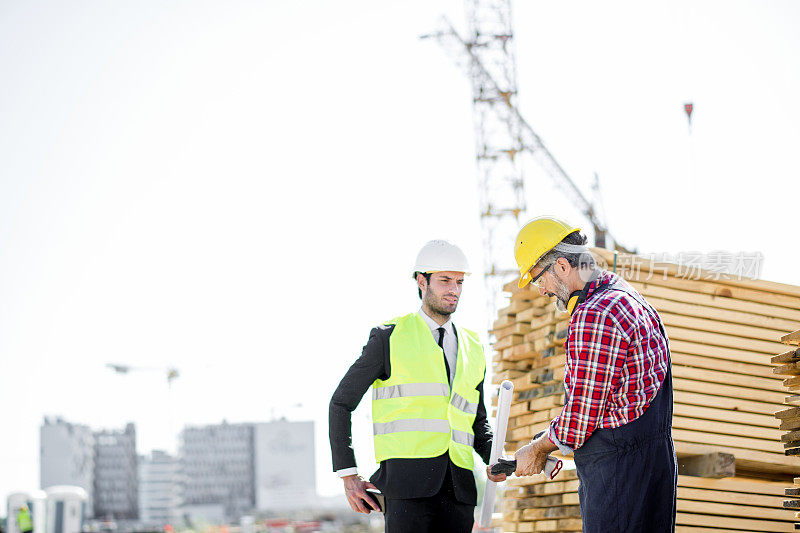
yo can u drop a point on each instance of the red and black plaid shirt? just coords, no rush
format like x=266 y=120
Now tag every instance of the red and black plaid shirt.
x=617 y=358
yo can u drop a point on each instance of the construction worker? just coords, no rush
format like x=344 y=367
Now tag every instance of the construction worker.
x=24 y=520
x=617 y=414
x=427 y=407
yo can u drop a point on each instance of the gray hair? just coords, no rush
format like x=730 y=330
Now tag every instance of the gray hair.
x=573 y=249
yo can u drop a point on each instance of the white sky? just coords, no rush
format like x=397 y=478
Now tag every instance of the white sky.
x=239 y=188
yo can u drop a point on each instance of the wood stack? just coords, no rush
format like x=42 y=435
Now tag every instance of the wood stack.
x=789 y=418
x=725 y=394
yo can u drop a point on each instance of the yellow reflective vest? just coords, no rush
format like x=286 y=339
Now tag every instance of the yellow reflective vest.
x=415 y=413
x=24 y=520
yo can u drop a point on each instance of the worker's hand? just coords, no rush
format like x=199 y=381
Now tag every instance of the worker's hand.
x=496 y=478
x=355 y=489
x=532 y=457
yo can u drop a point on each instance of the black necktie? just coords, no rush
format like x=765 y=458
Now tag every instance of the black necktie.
x=441 y=345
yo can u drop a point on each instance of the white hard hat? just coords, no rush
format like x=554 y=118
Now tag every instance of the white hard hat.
x=441 y=256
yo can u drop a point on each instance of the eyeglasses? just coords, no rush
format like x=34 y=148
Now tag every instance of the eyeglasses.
x=538 y=282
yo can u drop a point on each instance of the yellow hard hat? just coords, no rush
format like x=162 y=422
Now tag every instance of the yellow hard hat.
x=535 y=239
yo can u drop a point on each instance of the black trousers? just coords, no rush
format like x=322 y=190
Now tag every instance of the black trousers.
x=628 y=475
x=440 y=513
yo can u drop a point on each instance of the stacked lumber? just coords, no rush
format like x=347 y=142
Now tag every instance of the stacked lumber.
x=725 y=392
x=704 y=505
x=788 y=364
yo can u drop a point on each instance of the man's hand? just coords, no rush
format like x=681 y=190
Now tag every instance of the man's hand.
x=496 y=478
x=355 y=489
x=532 y=457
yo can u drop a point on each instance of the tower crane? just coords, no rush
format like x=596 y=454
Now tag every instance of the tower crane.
x=171 y=373
x=502 y=134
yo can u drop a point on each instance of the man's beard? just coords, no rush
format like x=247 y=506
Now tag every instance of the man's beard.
x=436 y=306
x=561 y=294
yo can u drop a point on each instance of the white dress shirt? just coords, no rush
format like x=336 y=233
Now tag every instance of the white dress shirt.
x=450 y=343
x=450 y=340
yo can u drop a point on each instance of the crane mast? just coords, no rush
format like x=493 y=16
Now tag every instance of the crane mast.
x=502 y=136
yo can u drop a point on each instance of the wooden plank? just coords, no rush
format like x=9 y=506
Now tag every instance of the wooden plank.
x=508 y=342
x=769 y=310
x=791 y=338
x=717 y=352
x=746 y=485
x=564 y=511
x=552 y=500
x=722 y=402
x=720 y=431
x=791 y=412
x=513 y=329
x=792 y=400
x=738 y=498
x=786 y=357
x=698 y=361
x=569 y=524
x=721 y=315
x=710 y=465
x=565 y=475
x=689 y=519
x=773 y=383
x=742 y=393
x=715 y=326
x=731 y=510
x=730 y=441
x=729 y=415
x=552 y=487
x=746 y=459
x=790 y=369
x=718 y=339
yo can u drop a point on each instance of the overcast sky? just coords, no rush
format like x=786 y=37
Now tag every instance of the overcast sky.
x=239 y=188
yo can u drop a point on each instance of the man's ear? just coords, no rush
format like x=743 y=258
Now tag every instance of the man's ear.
x=562 y=268
x=422 y=283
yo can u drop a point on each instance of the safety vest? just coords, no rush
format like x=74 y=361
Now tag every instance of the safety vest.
x=24 y=520
x=415 y=414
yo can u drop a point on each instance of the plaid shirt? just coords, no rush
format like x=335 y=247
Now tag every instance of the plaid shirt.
x=617 y=358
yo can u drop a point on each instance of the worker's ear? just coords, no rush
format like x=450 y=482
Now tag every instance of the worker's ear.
x=422 y=283
x=562 y=268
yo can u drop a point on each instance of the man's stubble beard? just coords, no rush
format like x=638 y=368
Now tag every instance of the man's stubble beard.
x=562 y=295
x=433 y=304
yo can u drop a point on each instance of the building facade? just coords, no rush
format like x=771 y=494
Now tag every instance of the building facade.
x=217 y=467
x=159 y=489
x=116 y=494
x=285 y=471
x=66 y=456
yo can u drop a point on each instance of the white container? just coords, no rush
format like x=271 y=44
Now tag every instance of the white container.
x=66 y=509
x=35 y=500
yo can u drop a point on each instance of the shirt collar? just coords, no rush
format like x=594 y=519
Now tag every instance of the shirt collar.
x=604 y=277
x=448 y=326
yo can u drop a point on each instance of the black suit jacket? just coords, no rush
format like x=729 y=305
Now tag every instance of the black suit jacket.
x=398 y=478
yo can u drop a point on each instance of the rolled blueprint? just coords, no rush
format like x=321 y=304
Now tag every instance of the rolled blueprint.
x=498 y=443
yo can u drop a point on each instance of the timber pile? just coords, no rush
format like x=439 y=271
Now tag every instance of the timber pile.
x=725 y=394
x=789 y=365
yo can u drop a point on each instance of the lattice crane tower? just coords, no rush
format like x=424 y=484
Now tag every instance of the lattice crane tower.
x=488 y=56
x=502 y=135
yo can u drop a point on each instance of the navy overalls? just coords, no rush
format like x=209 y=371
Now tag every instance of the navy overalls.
x=628 y=475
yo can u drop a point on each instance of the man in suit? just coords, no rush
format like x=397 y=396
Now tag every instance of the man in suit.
x=427 y=407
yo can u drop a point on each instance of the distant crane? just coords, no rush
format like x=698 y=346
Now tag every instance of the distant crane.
x=502 y=135
x=172 y=373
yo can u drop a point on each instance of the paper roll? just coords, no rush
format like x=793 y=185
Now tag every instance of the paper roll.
x=498 y=443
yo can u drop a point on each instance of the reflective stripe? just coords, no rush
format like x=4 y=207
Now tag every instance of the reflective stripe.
x=411 y=424
x=410 y=389
x=461 y=403
x=462 y=437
